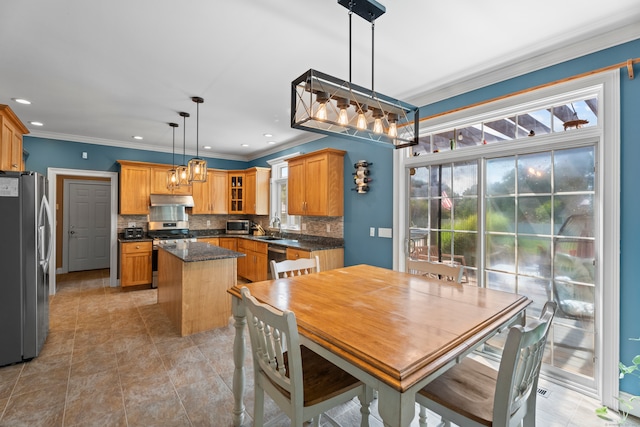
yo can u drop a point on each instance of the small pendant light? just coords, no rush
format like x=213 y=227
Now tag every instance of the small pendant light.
x=197 y=166
x=183 y=170
x=172 y=174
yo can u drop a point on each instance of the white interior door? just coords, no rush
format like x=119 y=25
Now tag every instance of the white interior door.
x=87 y=231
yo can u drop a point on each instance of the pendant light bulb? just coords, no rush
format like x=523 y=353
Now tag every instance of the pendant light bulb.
x=343 y=117
x=361 y=123
x=393 y=127
x=322 y=98
x=377 y=121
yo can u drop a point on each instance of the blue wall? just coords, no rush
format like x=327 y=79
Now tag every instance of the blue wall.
x=375 y=209
x=52 y=153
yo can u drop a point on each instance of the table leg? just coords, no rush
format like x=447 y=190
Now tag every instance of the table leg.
x=396 y=409
x=240 y=319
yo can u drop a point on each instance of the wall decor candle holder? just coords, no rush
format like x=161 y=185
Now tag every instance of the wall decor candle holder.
x=361 y=176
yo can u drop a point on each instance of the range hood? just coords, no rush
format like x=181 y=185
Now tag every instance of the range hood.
x=171 y=200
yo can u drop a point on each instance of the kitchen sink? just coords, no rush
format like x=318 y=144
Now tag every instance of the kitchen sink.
x=267 y=238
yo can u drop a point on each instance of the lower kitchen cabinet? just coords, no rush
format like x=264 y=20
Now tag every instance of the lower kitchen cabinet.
x=329 y=258
x=135 y=263
x=254 y=265
x=228 y=243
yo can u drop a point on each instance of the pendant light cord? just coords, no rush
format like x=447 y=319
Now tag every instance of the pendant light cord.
x=173 y=150
x=350 y=15
x=197 y=129
x=373 y=26
x=184 y=137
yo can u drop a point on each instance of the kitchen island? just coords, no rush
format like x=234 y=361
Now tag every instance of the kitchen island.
x=193 y=279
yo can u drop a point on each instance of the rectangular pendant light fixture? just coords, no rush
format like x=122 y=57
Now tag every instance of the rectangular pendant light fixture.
x=325 y=104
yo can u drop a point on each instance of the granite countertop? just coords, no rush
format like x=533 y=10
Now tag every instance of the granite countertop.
x=304 y=242
x=200 y=251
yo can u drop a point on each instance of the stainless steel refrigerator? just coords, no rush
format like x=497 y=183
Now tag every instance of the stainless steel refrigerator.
x=26 y=242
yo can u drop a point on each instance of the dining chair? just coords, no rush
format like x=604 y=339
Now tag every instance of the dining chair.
x=434 y=269
x=297 y=267
x=474 y=394
x=302 y=383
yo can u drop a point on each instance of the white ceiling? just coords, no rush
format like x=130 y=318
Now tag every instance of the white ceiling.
x=102 y=72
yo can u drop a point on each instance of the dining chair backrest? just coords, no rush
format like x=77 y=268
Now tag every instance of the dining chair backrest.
x=436 y=270
x=519 y=369
x=273 y=335
x=297 y=267
x=472 y=393
x=302 y=383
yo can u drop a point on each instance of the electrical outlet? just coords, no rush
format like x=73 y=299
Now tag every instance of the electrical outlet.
x=328 y=228
x=131 y=224
x=304 y=227
x=372 y=231
x=208 y=223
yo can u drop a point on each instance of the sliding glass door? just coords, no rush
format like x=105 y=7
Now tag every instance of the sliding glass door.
x=521 y=223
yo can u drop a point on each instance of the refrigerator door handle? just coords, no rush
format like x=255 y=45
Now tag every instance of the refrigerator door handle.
x=45 y=209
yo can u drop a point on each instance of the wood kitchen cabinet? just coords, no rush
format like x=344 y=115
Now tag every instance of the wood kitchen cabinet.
x=215 y=241
x=230 y=243
x=257 y=191
x=135 y=263
x=11 y=140
x=329 y=258
x=316 y=183
x=235 y=180
x=135 y=187
x=210 y=197
x=254 y=265
x=159 y=181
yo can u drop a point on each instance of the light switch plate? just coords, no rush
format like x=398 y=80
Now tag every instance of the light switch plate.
x=385 y=232
x=372 y=231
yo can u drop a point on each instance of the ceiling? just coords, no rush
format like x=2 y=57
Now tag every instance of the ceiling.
x=103 y=72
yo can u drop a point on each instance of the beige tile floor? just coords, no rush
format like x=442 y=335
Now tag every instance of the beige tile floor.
x=112 y=358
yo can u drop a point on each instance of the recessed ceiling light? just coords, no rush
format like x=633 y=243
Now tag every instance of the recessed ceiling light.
x=137 y=137
x=22 y=101
x=271 y=142
x=207 y=147
x=37 y=123
x=244 y=145
x=267 y=135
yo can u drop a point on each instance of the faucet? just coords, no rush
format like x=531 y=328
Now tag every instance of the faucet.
x=276 y=222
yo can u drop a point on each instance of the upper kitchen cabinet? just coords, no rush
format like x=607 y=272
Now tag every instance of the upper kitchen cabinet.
x=236 y=188
x=257 y=191
x=135 y=187
x=210 y=197
x=11 y=142
x=159 y=181
x=316 y=183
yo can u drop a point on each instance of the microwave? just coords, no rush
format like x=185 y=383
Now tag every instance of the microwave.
x=238 y=226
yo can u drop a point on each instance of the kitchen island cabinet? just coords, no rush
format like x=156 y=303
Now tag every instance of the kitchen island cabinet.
x=316 y=182
x=193 y=279
x=11 y=140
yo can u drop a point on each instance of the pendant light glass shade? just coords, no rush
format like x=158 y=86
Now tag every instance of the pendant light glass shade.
x=172 y=174
x=182 y=170
x=197 y=166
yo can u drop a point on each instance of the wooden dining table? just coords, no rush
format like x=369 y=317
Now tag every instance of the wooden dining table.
x=394 y=331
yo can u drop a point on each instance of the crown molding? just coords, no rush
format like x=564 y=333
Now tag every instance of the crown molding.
x=545 y=55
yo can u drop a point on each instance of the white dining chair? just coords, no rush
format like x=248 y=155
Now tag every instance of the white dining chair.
x=436 y=270
x=474 y=394
x=295 y=267
x=302 y=383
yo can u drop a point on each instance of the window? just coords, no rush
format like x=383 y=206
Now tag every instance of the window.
x=279 y=180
